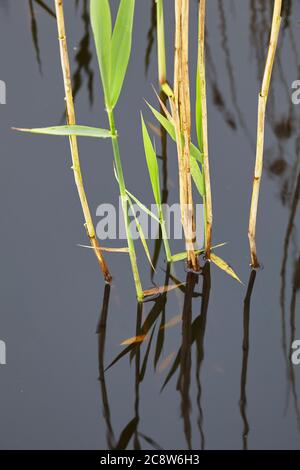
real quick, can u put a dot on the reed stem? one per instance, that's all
(71, 119)
(161, 48)
(262, 104)
(202, 75)
(181, 113)
(124, 199)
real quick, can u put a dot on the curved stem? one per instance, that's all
(70, 110)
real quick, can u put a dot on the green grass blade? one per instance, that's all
(151, 163)
(169, 127)
(80, 131)
(121, 47)
(142, 206)
(197, 176)
(139, 203)
(199, 129)
(102, 31)
(141, 234)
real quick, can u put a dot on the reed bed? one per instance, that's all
(113, 47)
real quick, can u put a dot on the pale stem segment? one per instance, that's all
(181, 113)
(202, 76)
(262, 104)
(161, 48)
(71, 119)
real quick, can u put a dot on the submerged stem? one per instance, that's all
(124, 199)
(65, 64)
(262, 104)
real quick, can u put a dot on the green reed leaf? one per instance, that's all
(80, 131)
(197, 176)
(151, 163)
(102, 31)
(169, 127)
(141, 234)
(121, 47)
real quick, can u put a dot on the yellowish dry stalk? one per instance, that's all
(262, 104)
(65, 64)
(202, 77)
(181, 113)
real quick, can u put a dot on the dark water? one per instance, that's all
(62, 327)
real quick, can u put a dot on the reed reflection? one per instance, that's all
(244, 371)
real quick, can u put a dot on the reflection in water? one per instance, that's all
(101, 331)
(34, 34)
(200, 334)
(193, 331)
(150, 35)
(243, 393)
(230, 71)
(83, 58)
(290, 237)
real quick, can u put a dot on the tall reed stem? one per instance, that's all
(124, 199)
(71, 118)
(181, 111)
(262, 104)
(161, 48)
(202, 75)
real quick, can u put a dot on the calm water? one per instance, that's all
(190, 384)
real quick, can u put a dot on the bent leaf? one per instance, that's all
(121, 47)
(169, 127)
(151, 163)
(182, 256)
(80, 131)
(102, 31)
(224, 266)
(142, 235)
(197, 176)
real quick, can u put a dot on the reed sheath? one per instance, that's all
(202, 76)
(70, 110)
(181, 113)
(262, 104)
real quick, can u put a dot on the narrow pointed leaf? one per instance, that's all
(121, 47)
(151, 163)
(102, 31)
(127, 434)
(142, 235)
(224, 266)
(197, 176)
(142, 206)
(169, 127)
(80, 131)
(182, 256)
